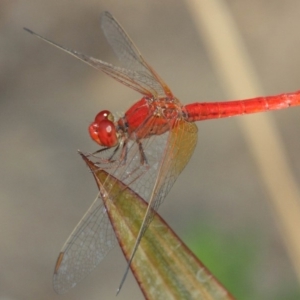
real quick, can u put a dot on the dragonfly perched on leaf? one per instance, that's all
(146, 149)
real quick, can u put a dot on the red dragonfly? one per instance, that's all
(146, 149)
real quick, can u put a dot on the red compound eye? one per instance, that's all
(104, 115)
(103, 131)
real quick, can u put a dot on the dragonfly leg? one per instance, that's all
(98, 151)
(142, 153)
(114, 153)
(123, 156)
(107, 160)
(141, 169)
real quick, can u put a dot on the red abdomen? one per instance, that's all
(204, 111)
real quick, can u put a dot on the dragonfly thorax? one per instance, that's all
(150, 116)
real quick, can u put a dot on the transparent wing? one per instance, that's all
(178, 149)
(137, 74)
(91, 240)
(87, 245)
(93, 237)
(131, 57)
(180, 146)
(127, 77)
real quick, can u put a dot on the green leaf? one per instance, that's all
(163, 265)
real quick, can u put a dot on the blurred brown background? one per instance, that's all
(48, 99)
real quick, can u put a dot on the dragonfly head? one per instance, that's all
(103, 130)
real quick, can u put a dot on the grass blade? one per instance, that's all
(163, 265)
